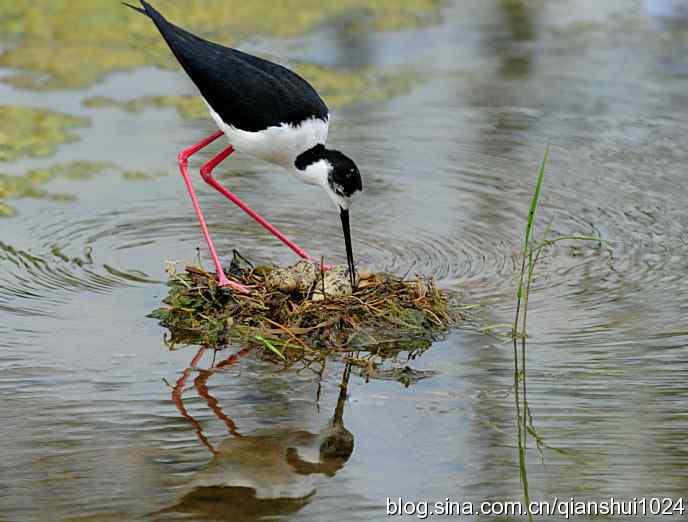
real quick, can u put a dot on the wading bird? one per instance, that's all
(268, 112)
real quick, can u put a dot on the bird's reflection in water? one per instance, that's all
(269, 472)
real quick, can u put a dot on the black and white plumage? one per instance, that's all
(266, 111)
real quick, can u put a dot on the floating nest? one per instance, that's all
(303, 310)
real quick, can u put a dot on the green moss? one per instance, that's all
(29, 185)
(188, 107)
(137, 175)
(7, 211)
(26, 186)
(339, 87)
(26, 131)
(75, 170)
(336, 86)
(73, 43)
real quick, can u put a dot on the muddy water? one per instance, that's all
(100, 421)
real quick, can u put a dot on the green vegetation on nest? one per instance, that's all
(26, 131)
(73, 43)
(293, 320)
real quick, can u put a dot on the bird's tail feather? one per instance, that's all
(151, 12)
(147, 10)
(177, 39)
(142, 11)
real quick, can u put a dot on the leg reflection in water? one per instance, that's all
(269, 472)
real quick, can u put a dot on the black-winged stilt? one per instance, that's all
(268, 112)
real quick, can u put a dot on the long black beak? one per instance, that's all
(344, 214)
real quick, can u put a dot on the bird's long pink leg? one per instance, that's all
(206, 174)
(183, 158)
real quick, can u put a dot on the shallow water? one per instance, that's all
(91, 429)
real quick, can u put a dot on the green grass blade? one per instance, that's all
(536, 199)
(551, 241)
(270, 346)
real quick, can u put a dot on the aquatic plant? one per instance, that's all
(29, 131)
(337, 87)
(58, 44)
(30, 184)
(293, 319)
(532, 249)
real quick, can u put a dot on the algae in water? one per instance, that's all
(58, 44)
(337, 87)
(27, 131)
(29, 185)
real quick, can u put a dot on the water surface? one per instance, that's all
(92, 428)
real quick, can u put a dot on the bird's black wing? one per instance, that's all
(247, 92)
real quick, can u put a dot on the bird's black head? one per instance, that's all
(344, 178)
(332, 170)
(340, 178)
(344, 182)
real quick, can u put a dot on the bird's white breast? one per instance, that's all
(280, 144)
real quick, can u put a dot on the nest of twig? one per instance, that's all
(289, 313)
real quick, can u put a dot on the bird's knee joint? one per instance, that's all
(206, 173)
(183, 158)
